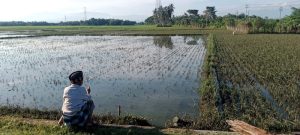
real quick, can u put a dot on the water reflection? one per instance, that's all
(163, 41)
(166, 41)
(191, 40)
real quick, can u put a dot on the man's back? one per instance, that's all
(75, 96)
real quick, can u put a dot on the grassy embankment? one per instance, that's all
(30, 121)
(210, 117)
(139, 30)
(254, 78)
(22, 126)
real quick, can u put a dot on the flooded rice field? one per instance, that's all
(155, 77)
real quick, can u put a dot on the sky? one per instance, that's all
(136, 10)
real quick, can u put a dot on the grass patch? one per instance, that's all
(12, 125)
(253, 78)
(55, 115)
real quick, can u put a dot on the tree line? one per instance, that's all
(163, 16)
(256, 24)
(92, 21)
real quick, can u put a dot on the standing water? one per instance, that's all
(155, 77)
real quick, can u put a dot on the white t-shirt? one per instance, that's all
(75, 96)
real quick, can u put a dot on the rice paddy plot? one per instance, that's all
(155, 77)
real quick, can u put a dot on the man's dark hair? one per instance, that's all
(78, 75)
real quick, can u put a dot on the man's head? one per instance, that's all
(76, 78)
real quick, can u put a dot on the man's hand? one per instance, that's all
(88, 89)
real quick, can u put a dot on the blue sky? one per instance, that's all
(138, 10)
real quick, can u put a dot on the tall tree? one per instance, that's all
(258, 23)
(296, 15)
(193, 12)
(296, 12)
(163, 15)
(292, 23)
(170, 10)
(210, 13)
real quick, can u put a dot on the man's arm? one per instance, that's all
(85, 94)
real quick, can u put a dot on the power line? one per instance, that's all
(257, 6)
(286, 4)
(274, 6)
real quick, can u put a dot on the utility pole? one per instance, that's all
(84, 14)
(248, 14)
(158, 3)
(65, 18)
(280, 11)
(247, 6)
